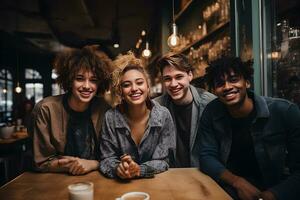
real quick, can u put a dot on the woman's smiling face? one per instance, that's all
(134, 87)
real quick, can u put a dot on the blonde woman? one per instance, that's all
(138, 135)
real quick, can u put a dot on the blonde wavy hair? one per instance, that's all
(124, 63)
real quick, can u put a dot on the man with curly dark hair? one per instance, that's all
(65, 128)
(248, 143)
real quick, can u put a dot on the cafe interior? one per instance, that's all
(32, 32)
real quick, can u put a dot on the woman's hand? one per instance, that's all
(128, 168)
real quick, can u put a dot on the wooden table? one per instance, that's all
(180, 183)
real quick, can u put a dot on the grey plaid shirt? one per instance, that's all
(154, 150)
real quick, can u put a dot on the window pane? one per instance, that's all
(34, 90)
(6, 91)
(56, 90)
(53, 75)
(3, 72)
(32, 74)
(284, 53)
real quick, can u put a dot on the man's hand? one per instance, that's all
(245, 190)
(267, 195)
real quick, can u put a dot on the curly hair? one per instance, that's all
(225, 65)
(69, 63)
(124, 63)
(180, 61)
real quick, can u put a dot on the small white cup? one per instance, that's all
(81, 191)
(135, 196)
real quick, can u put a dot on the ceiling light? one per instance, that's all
(116, 45)
(143, 33)
(173, 40)
(18, 89)
(146, 52)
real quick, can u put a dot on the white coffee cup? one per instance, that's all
(134, 196)
(81, 191)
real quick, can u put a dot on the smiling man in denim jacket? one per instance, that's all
(248, 143)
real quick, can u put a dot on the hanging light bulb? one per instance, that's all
(173, 39)
(116, 45)
(4, 90)
(18, 89)
(146, 52)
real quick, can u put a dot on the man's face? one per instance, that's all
(231, 89)
(177, 83)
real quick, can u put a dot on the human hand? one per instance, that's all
(81, 166)
(63, 163)
(134, 168)
(245, 190)
(128, 168)
(267, 195)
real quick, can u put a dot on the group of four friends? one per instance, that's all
(249, 144)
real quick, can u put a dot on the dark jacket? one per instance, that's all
(276, 137)
(200, 99)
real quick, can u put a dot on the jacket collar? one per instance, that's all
(154, 118)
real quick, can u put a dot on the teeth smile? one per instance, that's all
(135, 95)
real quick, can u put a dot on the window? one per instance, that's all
(283, 47)
(33, 88)
(6, 94)
(56, 90)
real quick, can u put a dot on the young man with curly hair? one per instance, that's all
(65, 128)
(248, 143)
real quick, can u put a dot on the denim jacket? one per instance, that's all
(152, 154)
(200, 99)
(276, 137)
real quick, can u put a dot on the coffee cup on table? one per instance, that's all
(81, 191)
(134, 196)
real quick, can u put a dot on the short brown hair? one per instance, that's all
(69, 63)
(179, 61)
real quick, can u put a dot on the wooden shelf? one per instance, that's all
(187, 5)
(206, 37)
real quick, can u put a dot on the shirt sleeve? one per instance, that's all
(208, 147)
(165, 147)
(43, 149)
(109, 159)
(290, 187)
